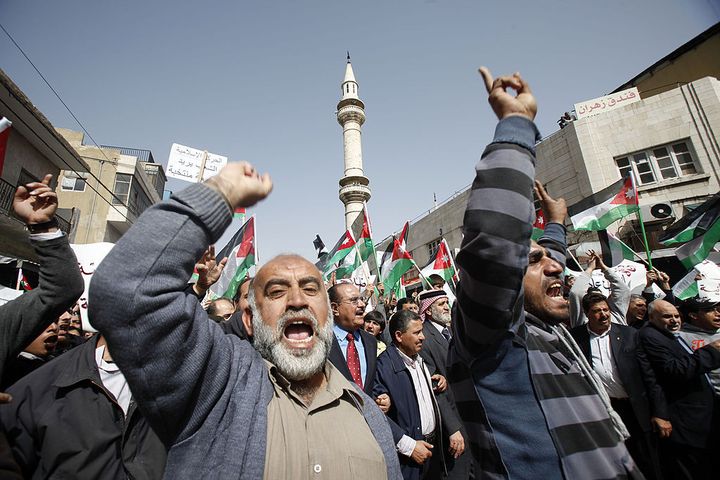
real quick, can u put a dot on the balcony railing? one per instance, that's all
(7, 193)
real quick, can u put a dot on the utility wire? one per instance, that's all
(84, 130)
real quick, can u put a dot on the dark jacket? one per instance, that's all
(63, 423)
(681, 375)
(624, 342)
(370, 345)
(394, 379)
(60, 286)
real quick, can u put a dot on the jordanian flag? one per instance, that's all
(5, 125)
(400, 262)
(606, 206)
(613, 249)
(239, 214)
(698, 249)
(694, 224)
(240, 252)
(404, 235)
(341, 250)
(441, 263)
(539, 225)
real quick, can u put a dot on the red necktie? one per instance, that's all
(353, 360)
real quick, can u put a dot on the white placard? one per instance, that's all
(599, 281)
(709, 290)
(633, 274)
(708, 269)
(184, 163)
(89, 256)
(606, 103)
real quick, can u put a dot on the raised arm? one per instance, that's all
(497, 224)
(172, 356)
(60, 285)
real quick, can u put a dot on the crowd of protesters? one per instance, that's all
(526, 375)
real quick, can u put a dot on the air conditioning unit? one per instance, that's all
(657, 212)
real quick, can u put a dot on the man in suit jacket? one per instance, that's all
(353, 351)
(613, 353)
(435, 314)
(682, 374)
(415, 415)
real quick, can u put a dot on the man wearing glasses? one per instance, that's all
(354, 351)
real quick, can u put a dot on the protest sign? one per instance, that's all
(89, 256)
(193, 165)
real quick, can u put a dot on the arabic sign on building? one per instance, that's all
(185, 163)
(606, 103)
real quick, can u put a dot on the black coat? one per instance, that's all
(624, 345)
(681, 375)
(63, 423)
(370, 346)
(394, 379)
(434, 352)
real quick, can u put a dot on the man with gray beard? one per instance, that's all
(223, 408)
(435, 313)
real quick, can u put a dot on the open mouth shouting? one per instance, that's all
(299, 333)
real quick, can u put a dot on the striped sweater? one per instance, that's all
(528, 410)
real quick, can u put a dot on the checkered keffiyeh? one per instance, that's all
(427, 298)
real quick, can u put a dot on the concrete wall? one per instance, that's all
(21, 154)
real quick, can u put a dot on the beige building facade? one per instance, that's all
(133, 180)
(33, 150)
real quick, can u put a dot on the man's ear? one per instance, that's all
(247, 321)
(334, 309)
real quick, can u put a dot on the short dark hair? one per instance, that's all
(377, 317)
(333, 293)
(403, 301)
(400, 321)
(436, 279)
(591, 299)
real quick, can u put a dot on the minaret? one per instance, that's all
(354, 186)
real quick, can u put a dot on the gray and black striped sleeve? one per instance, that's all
(497, 228)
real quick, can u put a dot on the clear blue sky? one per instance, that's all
(259, 81)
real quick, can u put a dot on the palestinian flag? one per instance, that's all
(539, 225)
(400, 262)
(239, 214)
(687, 287)
(5, 126)
(348, 265)
(441, 264)
(240, 252)
(341, 250)
(694, 224)
(606, 206)
(613, 249)
(698, 249)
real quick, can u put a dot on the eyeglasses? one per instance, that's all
(355, 300)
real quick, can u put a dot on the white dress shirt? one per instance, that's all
(604, 364)
(113, 380)
(423, 392)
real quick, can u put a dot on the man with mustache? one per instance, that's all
(690, 452)
(529, 409)
(226, 409)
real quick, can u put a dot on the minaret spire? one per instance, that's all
(354, 185)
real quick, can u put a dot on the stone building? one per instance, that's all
(133, 180)
(33, 150)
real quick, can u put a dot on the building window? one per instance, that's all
(73, 182)
(121, 189)
(433, 246)
(663, 162)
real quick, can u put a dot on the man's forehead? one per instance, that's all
(287, 266)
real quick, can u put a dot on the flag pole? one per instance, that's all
(633, 251)
(642, 225)
(19, 278)
(575, 260)
(452, 262)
